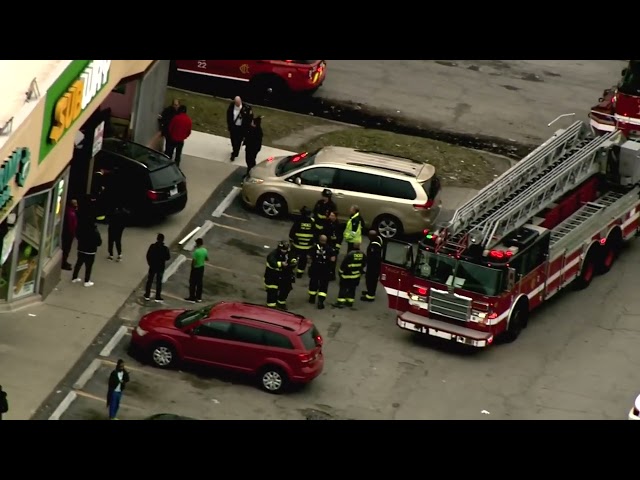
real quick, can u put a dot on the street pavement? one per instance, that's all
(576, 360)
(41, 343)
(509, 99)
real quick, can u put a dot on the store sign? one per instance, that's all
(77, 97)
(14, 170)
(98, 137)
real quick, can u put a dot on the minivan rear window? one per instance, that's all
(308, 338)
(294, 162)
(166, 177)
(431, 187)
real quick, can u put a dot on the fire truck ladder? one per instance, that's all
(560, 180)
(513, 181)
(500, 193)
(584, 214)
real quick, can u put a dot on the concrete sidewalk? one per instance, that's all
(40, 343)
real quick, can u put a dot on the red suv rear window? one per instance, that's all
(308, 338)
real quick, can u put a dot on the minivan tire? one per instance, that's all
(388, 226)
(163, 355)
(273, 379)
(272, 205)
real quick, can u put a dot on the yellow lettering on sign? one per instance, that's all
(68, 108)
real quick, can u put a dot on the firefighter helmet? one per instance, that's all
(284, 246)
(326, 193)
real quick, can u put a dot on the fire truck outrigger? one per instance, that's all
(557, 217)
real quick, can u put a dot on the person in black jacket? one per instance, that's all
(157, 256)
(322, 209)
(4, 403)
(117, 221)
(164, 119)
(374, 265)
(89, 240)
(239, 116)
(253, 142)
(117, 383)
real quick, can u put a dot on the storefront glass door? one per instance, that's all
(32, 225)
(8, 229)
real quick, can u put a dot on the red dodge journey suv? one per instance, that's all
(279, 347)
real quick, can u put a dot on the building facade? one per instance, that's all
(47, 159)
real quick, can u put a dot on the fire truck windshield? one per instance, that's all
(459, 273)
(630, 84)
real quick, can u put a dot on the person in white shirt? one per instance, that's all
(239, 117)
(117, 382)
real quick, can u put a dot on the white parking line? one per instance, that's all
(191, 244)
(87, 374)
(64, 405)
(173, 267)
(106, 351)
(188, 235)
(226, 202)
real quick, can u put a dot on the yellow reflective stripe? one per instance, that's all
(369, 297)
(304, 235)
(282, 302)
(322, 294)
(350, 276)
(277, 269)
(311, 292)
(270, 286)
(354, 265)
(271, 304)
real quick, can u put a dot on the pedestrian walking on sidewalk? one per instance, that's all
(198, 259)
(253, 142)
(4, 403)
(69, 230)
(239, 116)
(117, 221)
(157, 256)
(117, 383)
(89, 240)
(179, 131)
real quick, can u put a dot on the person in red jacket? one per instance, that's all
(178, 131)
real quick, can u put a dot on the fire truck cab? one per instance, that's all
(619, 106)
(557, 218)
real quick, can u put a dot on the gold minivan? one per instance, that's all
(396, 195)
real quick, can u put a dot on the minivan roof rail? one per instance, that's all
(376, 152)
(388, 169)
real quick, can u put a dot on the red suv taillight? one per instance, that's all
(319, 340)
(306, 357)
(153, 195)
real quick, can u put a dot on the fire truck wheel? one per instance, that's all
(517, 322)
(589, 267)
(267, 88)
(610, 251)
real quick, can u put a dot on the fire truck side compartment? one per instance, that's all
(629, 166)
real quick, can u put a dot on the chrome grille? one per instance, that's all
(449, 305)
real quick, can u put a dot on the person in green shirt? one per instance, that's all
(198, 259)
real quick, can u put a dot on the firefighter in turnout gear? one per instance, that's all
(351, 269)
(353, 230)
(302, 237)
(277, 261)
(374, 262)
(323, 208)
(333, 231)
(321, 257)
(287, 279)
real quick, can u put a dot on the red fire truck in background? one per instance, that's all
(266, 77)
(619, 106)
(557, 217)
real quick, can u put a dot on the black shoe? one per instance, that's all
(282, 307)
(312, 299)
(147, 297)
(67, 266)
(365, 299)
(320, 305)
(159, 300)
(338, 305)
(190, 300)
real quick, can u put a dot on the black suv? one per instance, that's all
(143, 181)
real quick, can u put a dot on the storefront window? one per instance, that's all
(6, 254)
(56, 215)
(29, 250)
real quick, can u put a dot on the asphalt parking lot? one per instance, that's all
(576, 360)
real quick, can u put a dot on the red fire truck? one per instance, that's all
(558, 217)
(619, 106)
(271, 77)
